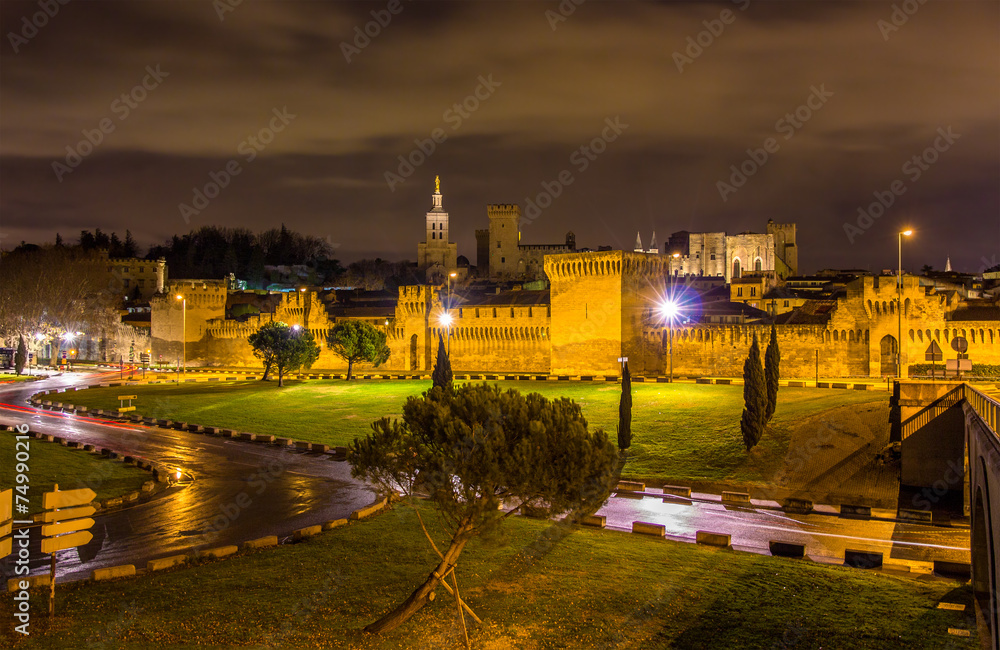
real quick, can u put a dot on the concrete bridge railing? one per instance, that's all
(982, 444)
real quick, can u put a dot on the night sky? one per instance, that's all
(880, 94)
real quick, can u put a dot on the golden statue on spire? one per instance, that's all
(437, 184)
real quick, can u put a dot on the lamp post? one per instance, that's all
(668, 309)
(899, 306)
(183, 336)
(448, 312)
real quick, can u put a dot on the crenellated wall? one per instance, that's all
(601, 306)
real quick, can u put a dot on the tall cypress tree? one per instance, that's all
(20, 356)
(754, 397)
(625, 411)
(442, 367)
(772, 360)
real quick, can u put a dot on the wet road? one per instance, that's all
(229, 492)
(825, 535)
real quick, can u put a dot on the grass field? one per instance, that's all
(10, 379)
(537, 585)
(50, 463)
(682, 431)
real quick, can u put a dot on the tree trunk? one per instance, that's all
(419, 597)
(281, 376)
(267, 369)
(350, 364)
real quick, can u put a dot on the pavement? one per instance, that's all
(825, 533)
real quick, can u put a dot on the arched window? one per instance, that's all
(758, 265)
(736, 268)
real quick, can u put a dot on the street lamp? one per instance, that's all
(899, 306)
(67, 337)
(669, 310)
(445, 320)
(183, 335)
(447, 314)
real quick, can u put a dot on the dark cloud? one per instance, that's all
(324, 174)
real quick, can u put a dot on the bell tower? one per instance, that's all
(436, 249)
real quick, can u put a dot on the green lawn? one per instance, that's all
(9, 379)
(682, 431)
(50, 463)
(536, 585)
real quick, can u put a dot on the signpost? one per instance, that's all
(960, 345)
(122, 406)
(933, 354)
(67, 519)
(6, 521)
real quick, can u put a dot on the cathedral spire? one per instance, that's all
(437, 184)
(947, 265)
(653, 248)
(638, 243)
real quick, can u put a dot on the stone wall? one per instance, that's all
(601, 306)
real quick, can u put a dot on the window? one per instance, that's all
(126, 283)
(498, 244)
(142, 269)
(503, 260)
(786, 303)
(753, 291)
(739, 292)
(712, 257)
(142, 284)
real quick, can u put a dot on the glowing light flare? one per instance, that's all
(669, 309)
(446, 319)
(907, 233)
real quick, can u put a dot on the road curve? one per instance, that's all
(229, 491)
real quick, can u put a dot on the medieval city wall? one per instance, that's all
(721, 350)
(512, 338)
(603, 306)
(586, 297)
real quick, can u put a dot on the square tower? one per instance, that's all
(505, 236)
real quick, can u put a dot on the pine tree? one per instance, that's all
(754, 397)
(625, 411)
(21, 356)
(442, 376)
(473, 449)
(772, 361)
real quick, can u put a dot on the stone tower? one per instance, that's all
(786, 253)
(505, 236)
(436, 249)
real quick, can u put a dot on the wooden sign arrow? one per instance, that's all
(6, 504)
(67, 527)
(53, 544)
(5, 546)
(5, 529)
(67, 513)
(67, 498)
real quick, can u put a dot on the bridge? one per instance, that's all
(950, 446)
